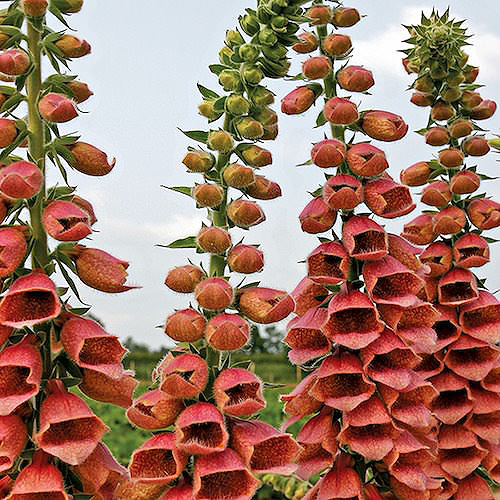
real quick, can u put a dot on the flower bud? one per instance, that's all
(416, 175)
(262, 96)
(465, 182)
(436, 194)
(317, 217)
(154, 410)
(234, 38)
(420, 230)
(214, 294)
(230, 80)
(451, 94)
(237, 105)
(255, 156)
(80, 91)
(383, 126)
(251, 73)
(249, 24)
(328, 153)
(213, 240)
(451, 158)
(207, 109)
(450, 220)
(298, 101)
(317, 68)
(442, 111)
(263, 189)
(366, 160)
(470, 100)
(470, 74)
(249, 128)
(249, 52)
(21, 180)
(34, 8)
(265, 305)
(267, 37)
(90, 160)
(484, 111)
(227, 332)
(337, 45)
(266, 116)
(245, 213)
(345, 17)
(199, 161)
(319, 15)
(460, 128)
(238, 176)
(411, 65)
(343, 192)
(341, 111)
(72, 47)
(308, 43)
(355, 79)
(476, 146)
(437, 136)
(184, 279)
(14, 247)
(422, 99)
(484, 214)
(245, 259)
(220, 140)
(56, 108)
(68, 6)
(438, 257)
(14, 62)
(8, 132)
(424, 84)
(208, 195)
(186, 325)
(66, 221)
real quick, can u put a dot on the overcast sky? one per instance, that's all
(144, 67)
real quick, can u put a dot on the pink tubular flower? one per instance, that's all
(182, 491)
(214, 294)
(343, 192)
(245, 259)
(364, 239)
(298, 101)
(339, 111)
(90, 160)
(481, 319)
(306, 338)
(56, 108)
(13, 438)
(201, 430)
(355, 79)
(101, 271)
(403, 251)
(227, 332)
(8, 132)
(486, 109)
(68, 429)
(366, 160)
(484, 421)
(484, 214)
(238, 393)
(66, 221)
(328, 153)
(307, 295)
(90, 346)
(387, 199)
(439, 259)
(317, 217)
(457, 287)
(263, 449)
(31, 299)
(353, 320)
(21, 180)
(328, 264)
(184, 376)
(341, 382)
(473, 486)
(420, 230)
(13, 250)
(383, 126)
(471, 250)
(300, 403)
(450, 220)
(341, 482)
(154, 410)
(14, 62)
(265, 305)
(186, 325)
(101, 473)
(222, 475)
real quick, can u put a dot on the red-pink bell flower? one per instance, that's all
(238, 393)
(473, 486)
(316, 68)
(56, 108)
(14, 62)
(8, 132)
(90, 160)
(403, 251)
(245, 214)
(437, 194)
(457, 287)
(341, 382)
(450, 220)
(21, 180)
(13, 249)
(481, 318)
(317, 217)
(486, 109)
(265, 305)
(429, 366)
(31, 299)
(68, 429)
(328, 264)
(66, 221)
(420, 230)
(422, 99)
(492, 381)
(214, 294)
(264, 449)
(484, 214)
(245, 259)
(223, 475)
(183, 377)
(306, 338)
(355, 79)
(343, 192)
(13, 437)
(298, 101)
(446, 326)
(366, 160)
(227, 332)
(158, 460)
(353, 320)
(186, 325)
(484, 421)
(90, 346)
(307, 295)
(438, 257)
(328, 153)
(101, 473)
(471, 250)
(364, 239)
(101, 271)
(340, 111)
(183, 279)
(201, 430)
(300, 403)
(387, 199)
(39, 479)
(383, 126)
(183, 490)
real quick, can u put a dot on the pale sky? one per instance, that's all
(143, 69)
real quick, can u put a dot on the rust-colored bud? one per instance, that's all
(460, 128)
(355, 79)
(345, 17)
(319, 15)
(465, 182)
(470, 99)
(317, 217)
(476, 146)
(470, 74)
(245, 259)
(21, 180)
(245, 213)
(34, 8)
(484, 111)
(214, 294)
(317, 68)
(208, 195)
(437, 194)
(341, 111)
(366, 160)
(450, 220)
(256, 156)
(80, 91)
(72, 47)
(416, 175)
(8, 132)
(14, 62)
(220, 140)
(437, 136)
(384, 126)
(298, 101)
(265, 305)
(263, 189)
(227, 332)
(484, 214)
(343, 192)
(308, 43)
(199, 161)
(420, 230)
(238, 176)
(422, 99)
(336, 45)
(184, 279)
(442, 111)
(328, 153)
(56, 108)
(213, 240)
(186, 325)
(90, 160)
(451, 158)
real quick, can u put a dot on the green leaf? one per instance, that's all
(320, 120)
(180, 189)
(216, 69)
(70, 282)
(196, 135)
(207, 93)
(189, 242)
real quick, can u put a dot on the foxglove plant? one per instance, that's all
(200, 401)
(50, 441)
(462, 361)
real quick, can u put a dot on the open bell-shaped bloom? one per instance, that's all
(383, 126)
(265, 305)
(484, 214)
(473, 486)
(341, 482)
(471, 250)
(366, 160)
(328, 264)
(457, 287)
(343, 192)
(21, 180)
(184, 377)
(447, 327)
(420, 231)
(438, 257)
(481, 319)
(317, 217)
(450, 220)
(387, 199)
(227, 332)
(307, 295)
(405, 252)
(300, 403)
(364, 239)
(13, 438)
(484, 420)
(66, 221)
(13, 249)
(154, 410)
(429, 366)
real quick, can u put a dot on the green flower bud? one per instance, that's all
(199, 161)
(224, 54)
(276, 52)
(266, 116)
(277, 6)
(220, 140)
(414, 65)
(292, 28)
(451, 94)
(249, 128)
(262, 96)
(206, 109)
(234, 38)
(230, 80)
(68, 6)
(463, 58)
(267, 37)
(495, 143)
(438, 71)
(455, 78)
(249, 52)
(249, 24)
(263, 15)
(424, 84)
(278, 23)
(237, 105)
(251, 74)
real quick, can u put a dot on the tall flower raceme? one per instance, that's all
(201, 403)
(363, 325)
(50, 441)
(463, 359)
